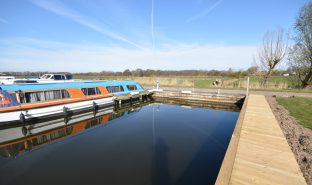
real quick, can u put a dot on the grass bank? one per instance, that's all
(300, 108)
(276, 83)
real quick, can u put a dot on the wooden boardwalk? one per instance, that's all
(261, 154)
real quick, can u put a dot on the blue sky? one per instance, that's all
(96, 35)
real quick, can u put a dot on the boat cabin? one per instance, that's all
(46, 78)
(56, 77)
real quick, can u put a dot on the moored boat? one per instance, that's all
(46, 78)
(33, 101)
(23, 102)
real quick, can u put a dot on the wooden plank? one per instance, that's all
(229, 158)
(263, 155)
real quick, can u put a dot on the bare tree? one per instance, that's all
(271, 53)
(301, 53)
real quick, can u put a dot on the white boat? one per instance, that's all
(46, 78)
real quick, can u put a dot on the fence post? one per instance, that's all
(157, 84)
(193, 85)
(247, 88)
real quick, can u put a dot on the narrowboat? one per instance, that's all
(23, 102)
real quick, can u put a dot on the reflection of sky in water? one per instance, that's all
(157, 144)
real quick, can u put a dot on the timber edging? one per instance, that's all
(258, 152)
(200, 97)
(225, 171)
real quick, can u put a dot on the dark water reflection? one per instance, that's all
(155, 144)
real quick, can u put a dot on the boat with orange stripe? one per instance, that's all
(23, 102)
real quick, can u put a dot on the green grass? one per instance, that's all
(275, 83)
(207, 82)
(300, 108)
(284, 90)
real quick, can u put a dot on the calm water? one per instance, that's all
(155, 144)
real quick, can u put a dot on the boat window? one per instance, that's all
(132, 87)
(45, 77)
(69, 76)
(91, 91)
(139, 86)
(59, 77)
(45, 95)
(113, 89)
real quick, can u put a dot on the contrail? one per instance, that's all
(59, 8)
(203, 13)
(152, 24)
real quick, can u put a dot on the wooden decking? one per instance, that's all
(262, 154)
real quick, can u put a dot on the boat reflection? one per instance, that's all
(22, 138)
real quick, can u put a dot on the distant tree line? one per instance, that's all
(254, 70)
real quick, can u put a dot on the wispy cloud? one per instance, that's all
(33, 54)
(3, 21)
(152, 24)
(204, 12)
(61, 9)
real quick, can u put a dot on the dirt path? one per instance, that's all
(298, 138)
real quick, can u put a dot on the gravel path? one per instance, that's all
(298, 138)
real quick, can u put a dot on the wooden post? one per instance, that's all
(193, 85)
(247, 88)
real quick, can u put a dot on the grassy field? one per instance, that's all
(275, 83)
(197, 82)
(300, 108)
